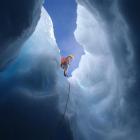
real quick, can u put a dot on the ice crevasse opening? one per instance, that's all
(97, 107)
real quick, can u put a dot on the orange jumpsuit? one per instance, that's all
(65, 64)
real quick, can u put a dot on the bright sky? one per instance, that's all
(63, 14)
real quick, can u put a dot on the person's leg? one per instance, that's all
(65, 72)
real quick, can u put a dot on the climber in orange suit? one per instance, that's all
(65, 62)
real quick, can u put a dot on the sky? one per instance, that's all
(64, 14)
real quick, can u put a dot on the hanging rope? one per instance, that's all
(64, 114)
(66, 106)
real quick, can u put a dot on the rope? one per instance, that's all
(66, 106)
(64, 114)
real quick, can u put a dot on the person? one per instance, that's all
(65, 62)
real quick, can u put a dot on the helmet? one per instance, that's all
(72, 56)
